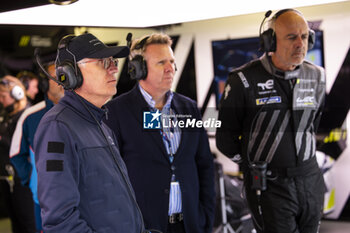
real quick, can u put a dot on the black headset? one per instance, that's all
(43, 82)
(137, 66)
(105, 136)
(67, 71)
(268, 37)
(16, 92)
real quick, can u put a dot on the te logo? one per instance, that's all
(151, 120)
(267, 85)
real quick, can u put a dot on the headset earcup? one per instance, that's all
(311, 39)
(273, 44)
(67, 75)
(17, 93)
(79, 78)
(137, 68)
(43, 84)
(268, 41)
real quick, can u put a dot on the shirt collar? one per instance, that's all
(169, 96)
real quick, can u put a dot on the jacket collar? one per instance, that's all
(139, 105)
(48, 103)
(270, 68)
(86, 109)
(149, 99)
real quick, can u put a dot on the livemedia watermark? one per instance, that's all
(158, 120)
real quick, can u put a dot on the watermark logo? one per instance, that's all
(151, 120)
(158, 120)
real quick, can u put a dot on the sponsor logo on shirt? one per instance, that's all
(269, 100)
(268, 85)
(307, 100)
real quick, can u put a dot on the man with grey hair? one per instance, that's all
(83, 185)
(270, 112)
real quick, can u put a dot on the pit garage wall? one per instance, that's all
(335, 25)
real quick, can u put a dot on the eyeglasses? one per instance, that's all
(105, 61)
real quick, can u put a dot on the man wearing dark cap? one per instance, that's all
(83, 184)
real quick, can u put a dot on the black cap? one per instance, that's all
(88, 46)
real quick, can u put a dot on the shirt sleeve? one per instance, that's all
(231, 115)
(57, 163)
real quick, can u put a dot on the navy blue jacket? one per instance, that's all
(82, 186)
(150, 169)
(21, 150)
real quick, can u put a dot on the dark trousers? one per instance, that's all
(20, 207)
(289, 205)
(176, 227)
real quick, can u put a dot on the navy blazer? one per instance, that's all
(149, 167)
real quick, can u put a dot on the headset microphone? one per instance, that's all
(267, 14)
(37, 57)
(36, 54)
